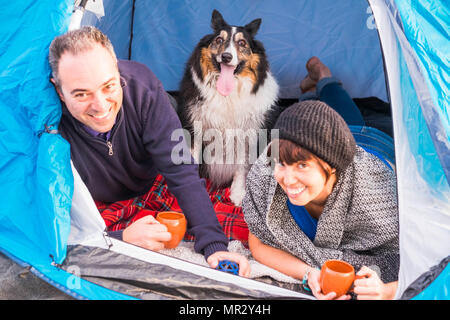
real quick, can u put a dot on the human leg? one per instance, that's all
(329, 90)
(319, 84)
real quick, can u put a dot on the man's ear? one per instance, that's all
(58, 89)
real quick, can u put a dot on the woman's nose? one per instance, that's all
(289, 176)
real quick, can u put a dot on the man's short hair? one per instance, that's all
(76, 41)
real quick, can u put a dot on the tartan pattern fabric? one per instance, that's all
(118, 215)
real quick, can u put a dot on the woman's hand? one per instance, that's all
(314, 285)
(244, 267)
(372, 288)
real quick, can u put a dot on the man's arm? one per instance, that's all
(182, 179)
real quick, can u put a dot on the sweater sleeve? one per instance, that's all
(369, 242)
(162, 132)
(370, 237)
(256, 200)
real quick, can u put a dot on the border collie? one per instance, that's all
(225, 96)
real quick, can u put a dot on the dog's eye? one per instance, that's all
(219, 40)
(242, 43)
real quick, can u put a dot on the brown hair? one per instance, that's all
(76, 41)
(290, 153)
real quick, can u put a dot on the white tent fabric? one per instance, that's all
(86, 222)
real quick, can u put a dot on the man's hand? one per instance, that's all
(244, 266)
(147, 233)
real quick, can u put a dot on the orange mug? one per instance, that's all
(337, 276)
(176, 225)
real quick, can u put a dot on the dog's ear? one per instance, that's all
(253, 27)
(217, 21)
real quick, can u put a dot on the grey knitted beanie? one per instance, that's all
(315, 126)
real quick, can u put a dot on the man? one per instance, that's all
(118, 120)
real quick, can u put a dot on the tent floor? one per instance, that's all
(19, 283)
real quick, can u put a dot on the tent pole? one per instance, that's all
(77, 15)
(131, 30)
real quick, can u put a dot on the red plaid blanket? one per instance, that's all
(120, 214)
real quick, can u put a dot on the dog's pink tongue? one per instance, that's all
(225, 83)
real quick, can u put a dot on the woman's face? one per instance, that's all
(304, 182)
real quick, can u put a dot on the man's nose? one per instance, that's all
(99, 101)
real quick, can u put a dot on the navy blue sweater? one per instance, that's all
(141, 146)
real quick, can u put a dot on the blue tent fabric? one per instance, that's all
(438, 289)
(36, 181)
(415, 38)
(36, 178)
(435, 282)
(119, 19)
(433, 54)
(341, 33)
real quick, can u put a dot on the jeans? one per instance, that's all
(330, 91)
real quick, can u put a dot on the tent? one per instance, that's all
(395, 50)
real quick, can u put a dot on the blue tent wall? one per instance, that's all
(36, 182)
(341, 33)
(36, 177)
(431, 45)
(425, 84)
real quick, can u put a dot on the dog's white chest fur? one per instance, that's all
(241, 110)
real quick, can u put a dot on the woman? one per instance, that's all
(325, 198)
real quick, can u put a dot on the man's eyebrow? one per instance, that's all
(78, 90)
(85, 90)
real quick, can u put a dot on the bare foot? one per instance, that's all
(307, 84)
(317, 70)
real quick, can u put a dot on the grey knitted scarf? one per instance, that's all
(359, 223)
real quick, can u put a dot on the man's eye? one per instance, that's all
(110, 87)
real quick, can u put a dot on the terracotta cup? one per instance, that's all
(336, 276)
(176, 225)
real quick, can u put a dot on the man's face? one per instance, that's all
(90, 87)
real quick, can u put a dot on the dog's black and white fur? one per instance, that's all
(241, 101)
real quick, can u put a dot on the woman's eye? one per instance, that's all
(301, 165)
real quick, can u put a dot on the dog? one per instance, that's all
(227, 89)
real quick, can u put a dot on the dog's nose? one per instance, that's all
(227, 57)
